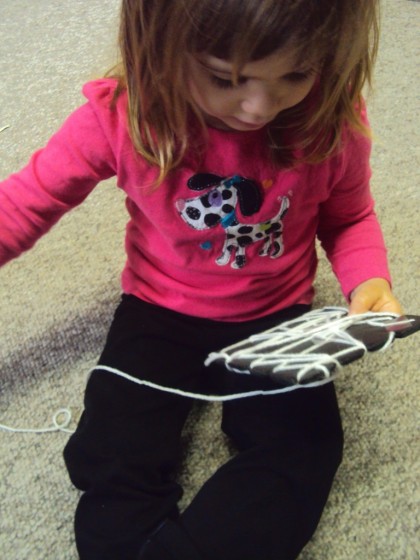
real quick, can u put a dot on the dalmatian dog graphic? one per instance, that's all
(217, 206)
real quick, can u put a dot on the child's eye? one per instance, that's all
(297, 77)
(225, 84)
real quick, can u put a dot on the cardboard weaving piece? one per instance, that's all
(311, 349)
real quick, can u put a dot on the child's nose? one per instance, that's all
(262, 102)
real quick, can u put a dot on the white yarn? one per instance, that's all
(271, 348)
(317, 327)
(199, 396)
(58, 425)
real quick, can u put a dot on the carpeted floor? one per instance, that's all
(57, 301)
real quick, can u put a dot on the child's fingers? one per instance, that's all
(374, 295)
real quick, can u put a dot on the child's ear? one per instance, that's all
(202, 181)
(249, 196)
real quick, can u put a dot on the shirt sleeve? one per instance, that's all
(349, 230)
(56, 179)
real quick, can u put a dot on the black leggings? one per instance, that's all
(264, 503)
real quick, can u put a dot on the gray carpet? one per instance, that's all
(57, 302)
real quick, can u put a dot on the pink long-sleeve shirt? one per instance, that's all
(228, 237)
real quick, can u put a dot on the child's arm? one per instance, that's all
(374, 295)
(57, 178)
(351, 235)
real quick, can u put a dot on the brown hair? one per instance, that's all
(157, 35)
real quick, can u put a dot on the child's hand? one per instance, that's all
(374, 295)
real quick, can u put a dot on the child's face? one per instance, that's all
(265, 88)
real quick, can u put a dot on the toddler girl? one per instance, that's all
(238, 132)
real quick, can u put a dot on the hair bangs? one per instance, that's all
(241, 31)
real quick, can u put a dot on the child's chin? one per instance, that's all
(231, 124)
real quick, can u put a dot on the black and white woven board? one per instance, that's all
(311, 349)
